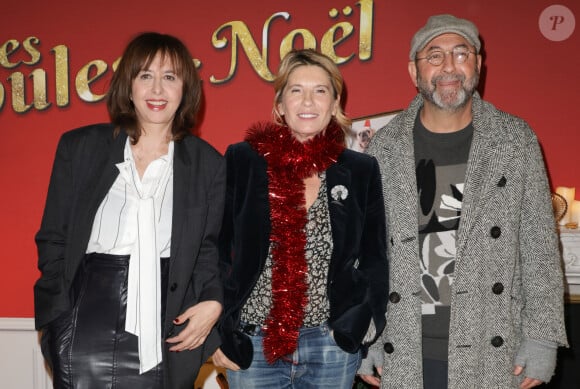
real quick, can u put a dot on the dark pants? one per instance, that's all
(434, 374)
(89, 347)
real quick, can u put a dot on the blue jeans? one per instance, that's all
(317, 363)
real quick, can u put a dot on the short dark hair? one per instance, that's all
(138, 55)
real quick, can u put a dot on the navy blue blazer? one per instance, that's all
(83, 171)
(358, 276)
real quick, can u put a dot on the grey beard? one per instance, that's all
(451, 102)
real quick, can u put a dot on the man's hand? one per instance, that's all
(527, 383)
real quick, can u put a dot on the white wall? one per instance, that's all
(570, 239)
(21, 363)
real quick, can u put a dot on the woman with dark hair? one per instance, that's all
(129, 290)
(302, 247)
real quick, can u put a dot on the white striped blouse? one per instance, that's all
(135, 219)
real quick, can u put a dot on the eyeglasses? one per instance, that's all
(436, 58)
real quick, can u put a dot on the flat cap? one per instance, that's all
(444, 24)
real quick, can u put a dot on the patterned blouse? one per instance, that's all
(318, 252)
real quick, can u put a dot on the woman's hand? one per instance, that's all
(219, 359)
(199, 320)
(371, 380)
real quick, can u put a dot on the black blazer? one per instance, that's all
(358, 280)
(84, 170)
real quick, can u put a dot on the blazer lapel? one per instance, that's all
(402, 204)
(110, 171)
(338, 208)
(486, 165)
(94, 191)
(181, 177)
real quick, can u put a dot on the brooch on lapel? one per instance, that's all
(339, 193)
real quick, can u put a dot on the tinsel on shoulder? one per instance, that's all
(281, 149)
(289, 163)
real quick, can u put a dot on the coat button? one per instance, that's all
(173, 287)
(497, 288)
(495, 232)
(394, 297)
(388, 347)
(497, 341)
(501, 183)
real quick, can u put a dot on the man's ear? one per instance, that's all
(413, 72)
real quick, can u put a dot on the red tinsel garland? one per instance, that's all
(289, 163)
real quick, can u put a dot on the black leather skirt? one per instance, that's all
(89, 347)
